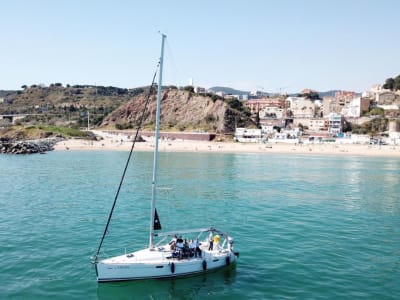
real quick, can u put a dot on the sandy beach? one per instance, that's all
(122, 143)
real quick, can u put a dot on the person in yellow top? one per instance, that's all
(216, 240)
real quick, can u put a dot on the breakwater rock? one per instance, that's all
(27, 146)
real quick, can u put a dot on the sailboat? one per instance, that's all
(169, 254)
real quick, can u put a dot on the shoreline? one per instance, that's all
(121, 143)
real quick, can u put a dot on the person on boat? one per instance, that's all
(210, 242)
(186, 249)
(172, 243)
(230, 240)
(192, 248)
(179, 246)
(216, 241)
(197, 250)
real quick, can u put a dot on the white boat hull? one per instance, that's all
(147, 264)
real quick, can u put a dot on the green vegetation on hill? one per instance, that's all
(373, 127)
(392, 84)
(66, 106)
(42, 131)
(61, 131)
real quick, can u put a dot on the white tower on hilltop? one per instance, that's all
(191, 81)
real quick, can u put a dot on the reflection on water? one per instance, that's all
(193, 287)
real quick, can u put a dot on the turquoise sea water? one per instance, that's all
(306, 227)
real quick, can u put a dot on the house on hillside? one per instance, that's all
(300, 107)
(385, 98)
(356, 107)
(256, 105)
(199, 90)
(330, 105)
(344, 97)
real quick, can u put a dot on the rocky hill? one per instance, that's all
(182, 111)
(38, 98)
(72, 106)
(58, 105)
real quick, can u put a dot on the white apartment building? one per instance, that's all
(353, 109)
(335, 123)
(246, 135)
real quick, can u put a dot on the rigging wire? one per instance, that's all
(175, 71)
(139, 127)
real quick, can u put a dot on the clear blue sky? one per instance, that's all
(264, 45)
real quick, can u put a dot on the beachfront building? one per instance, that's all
(335, 123)
(358, 139)
(394, 132)
(289, 136)
(269, 126)
(247, 135)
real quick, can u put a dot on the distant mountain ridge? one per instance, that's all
(4, 93)
(228, 90)
(232, 91)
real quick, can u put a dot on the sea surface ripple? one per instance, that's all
(306, 227)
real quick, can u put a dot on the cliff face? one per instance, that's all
(180, 110)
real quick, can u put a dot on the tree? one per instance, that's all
(234, 103)
(347, 126)
(392, 84)
(389, 84)
(397, 83)
(189, 88)
(377, 111)
(372, 127)
(311, 95)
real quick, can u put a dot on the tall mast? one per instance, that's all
(156, 135)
